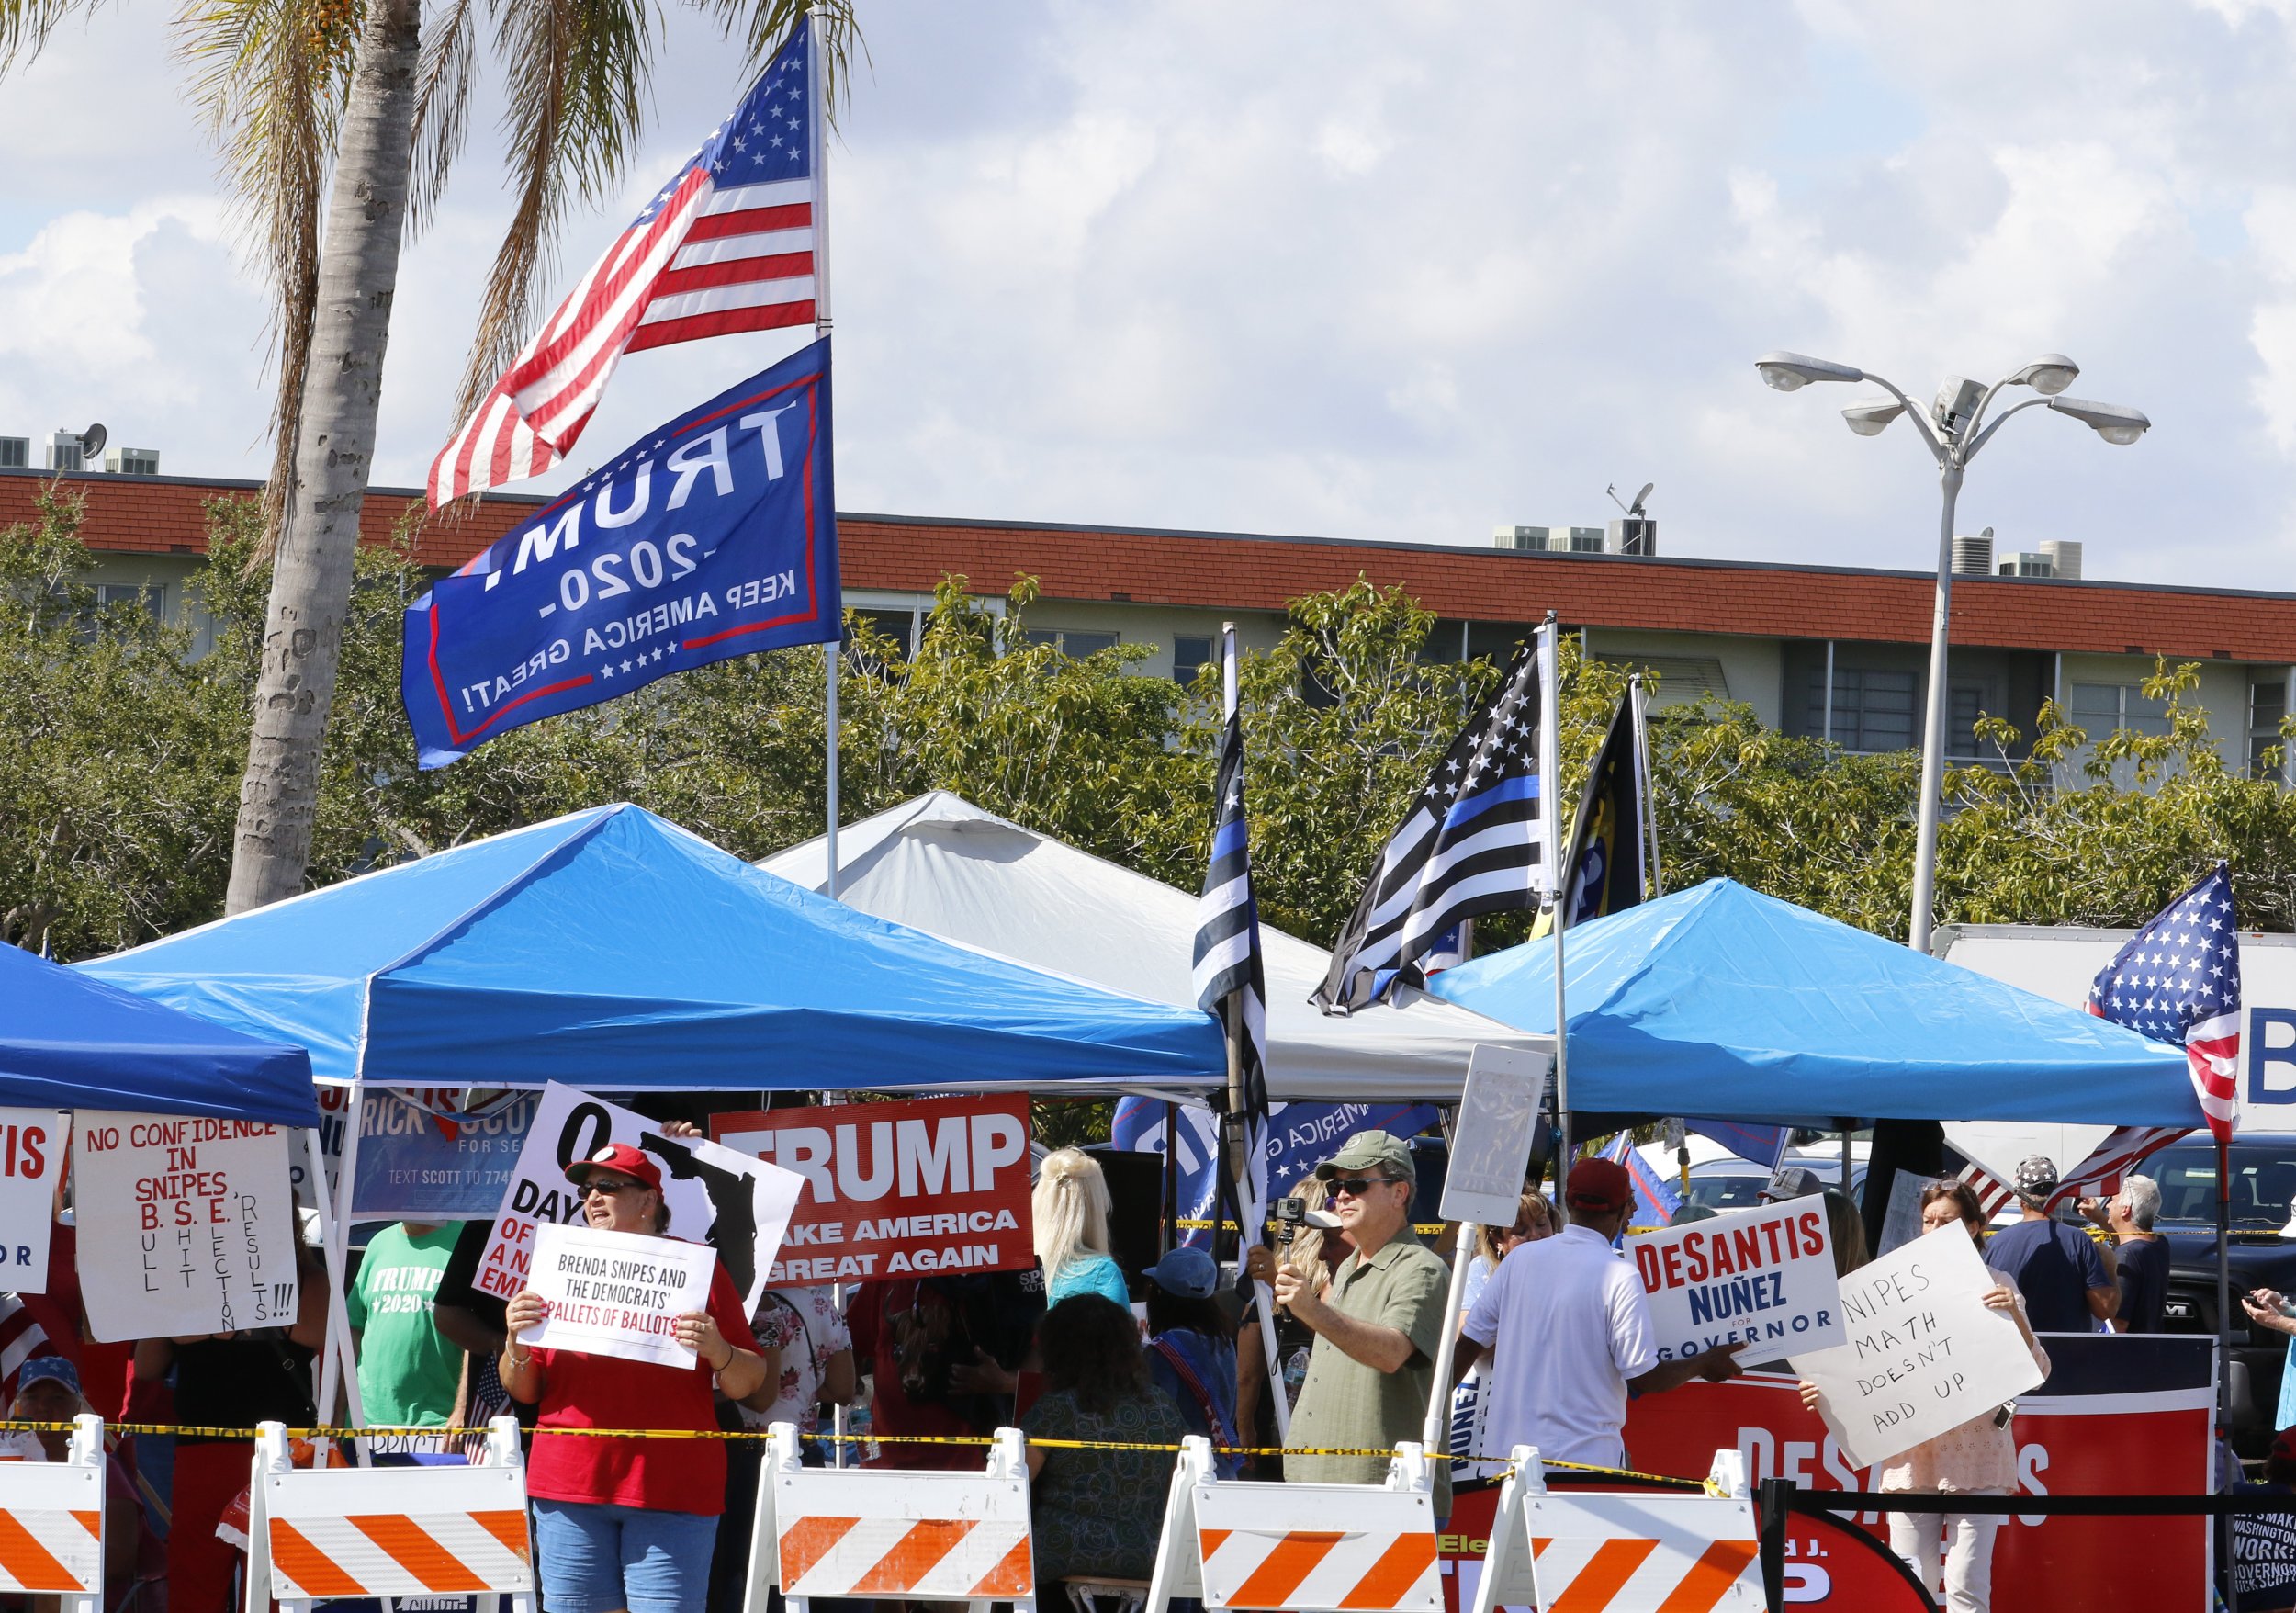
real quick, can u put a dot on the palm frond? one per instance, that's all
(441, 112)
(764, 24)
(270, 77)
(25, 25)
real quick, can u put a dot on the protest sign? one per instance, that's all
(898, 1190)
(736, 1204)
(31, 1159)
(186, 1225)
(1762, 1277)
(1491, 1145)
(616, 1293)
(1925, 1353)
(426, 1153)
(1902, 1223)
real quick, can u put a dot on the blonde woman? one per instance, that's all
(1070, 1209)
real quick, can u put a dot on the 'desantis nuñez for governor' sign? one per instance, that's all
(713, 537)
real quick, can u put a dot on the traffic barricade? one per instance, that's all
(51, 1522)
(1622, 1552)
(959, 1536)
(1311, 1547)
(389, 1532)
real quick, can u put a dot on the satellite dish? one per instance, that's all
(92, 442)
(1640, 498)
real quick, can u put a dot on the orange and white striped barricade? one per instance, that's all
(51, 1522)
(1622, 1552)
(389, 1532)
(1311, 1547)
(880, 1532)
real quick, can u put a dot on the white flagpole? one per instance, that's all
(833, 652)
(1550, 855)
(1638, 704)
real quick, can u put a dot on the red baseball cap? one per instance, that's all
(629, 1159)
(2283, 1443)
(1599, 1184)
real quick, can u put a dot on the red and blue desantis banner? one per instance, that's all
(713, 537)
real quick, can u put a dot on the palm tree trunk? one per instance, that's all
(311, 583)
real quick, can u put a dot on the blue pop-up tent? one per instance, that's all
(613, 950)
(1719, 1002)
(67, 1041)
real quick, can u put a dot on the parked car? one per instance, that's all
(1732, 1184)
(2263, 1179)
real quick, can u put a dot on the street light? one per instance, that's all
(1953, 429)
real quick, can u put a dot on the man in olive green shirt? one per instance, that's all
(1377, 1324)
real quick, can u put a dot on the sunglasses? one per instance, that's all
(1354, 1187)
(609, 1188)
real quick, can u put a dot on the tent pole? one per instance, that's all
(339, 1366)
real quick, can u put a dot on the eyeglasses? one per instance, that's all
(595, 1185)
(1354, 1187)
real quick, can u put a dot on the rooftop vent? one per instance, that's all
(1552, 540)
(1972, 556)
(1634, 535)
(2027, 565)
(2064, 554)
(16, 452)
(63, 452)
(133, 462)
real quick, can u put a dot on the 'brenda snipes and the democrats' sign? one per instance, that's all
(714, 537)
(1763, 1277)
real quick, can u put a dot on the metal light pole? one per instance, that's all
(1953, 430)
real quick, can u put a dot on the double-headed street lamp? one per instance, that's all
(1953, 430)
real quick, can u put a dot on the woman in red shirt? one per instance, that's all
(628, 1523)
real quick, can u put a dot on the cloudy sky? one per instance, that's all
(1342, 269)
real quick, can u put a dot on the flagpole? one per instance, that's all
(832, 653)
(1638, 697)
(1550, 849)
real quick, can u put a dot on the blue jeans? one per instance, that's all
(594, 1557)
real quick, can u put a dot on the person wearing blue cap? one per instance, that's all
(1191, 1348)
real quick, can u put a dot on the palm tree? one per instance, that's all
(288, 84)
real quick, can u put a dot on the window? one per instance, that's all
(1189, 651)
(1681, 679)
(2268, 704)
(898, 625)
(1070, 642)
(1874, 710)
(2100, 709)
(151, 597)
(16, 452)
(1966, 700)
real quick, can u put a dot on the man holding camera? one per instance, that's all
(1377, 1323)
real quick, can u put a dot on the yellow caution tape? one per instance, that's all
(1423, 1228)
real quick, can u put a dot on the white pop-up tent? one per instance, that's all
(941, 864)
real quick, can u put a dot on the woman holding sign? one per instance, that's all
(1979, 1458)
(628, 1523)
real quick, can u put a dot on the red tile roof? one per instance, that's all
(1231, 572)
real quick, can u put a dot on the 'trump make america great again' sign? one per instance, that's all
(715, 535)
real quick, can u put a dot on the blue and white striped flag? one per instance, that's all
(1228, 950)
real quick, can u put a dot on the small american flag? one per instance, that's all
(2097, 1177)
(2179, 980)
(728, 244)
(21, 1338)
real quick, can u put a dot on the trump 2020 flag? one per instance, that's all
(2177, 980)
(712, 536)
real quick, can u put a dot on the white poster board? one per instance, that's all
(32, 1142)
(1925, 1353)
(617, 1294)
(1763, 1277)
(1491, 1142)
(737, 1205)
(186, 1225)
(1902, 1224)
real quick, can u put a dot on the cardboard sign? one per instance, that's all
(187, 1226)
(426, 1153)
(898, 1190)
(1902, 1223)
(1491, 1143)
(32, 1142)
(616, 1293)
(1925, 1353)
(1762, 1277)
(731, 1201)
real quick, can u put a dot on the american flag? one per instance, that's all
(2179, 980)
(1227, 961)
(2096, 1177)
(1478, 839)
(728, 244)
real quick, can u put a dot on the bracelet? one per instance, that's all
(519, 1363)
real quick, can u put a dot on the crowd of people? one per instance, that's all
(1554, 1341)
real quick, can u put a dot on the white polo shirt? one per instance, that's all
(1567, 1323)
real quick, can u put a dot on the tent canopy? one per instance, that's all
(611, 949)
(943, 865)
(67, 1041)
(1719, 1001)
